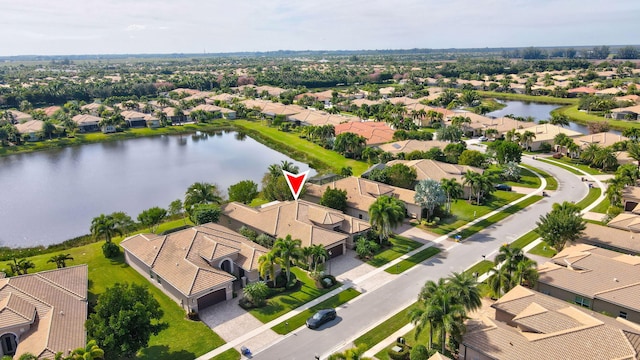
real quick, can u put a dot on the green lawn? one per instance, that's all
(184, 339)
(283, 303)
(498, 217)
(543, 249)
(602, 207)
(552, 183)
(581, 117)
(400, 246)
(464, 212)
(525, 239)
(565, 165)
(413, 260)
(302, 150)
(576, 163)
(532, 98)
(593, 195)
(258, 201)
(386, 328)
(480, 267)
(300, 319)
(231, 354)
(527, 178)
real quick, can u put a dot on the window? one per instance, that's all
(584, 302)
(623, 314)
(360, 216)
(151, 273)
(159, 280)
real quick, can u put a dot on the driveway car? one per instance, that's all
(321, 317)
(504, 187)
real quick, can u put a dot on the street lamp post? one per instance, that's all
(329, 262)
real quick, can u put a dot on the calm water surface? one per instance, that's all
(48, 197)
(537, 111)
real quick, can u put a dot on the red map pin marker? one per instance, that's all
(295, 182)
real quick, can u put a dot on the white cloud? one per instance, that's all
(135, 27)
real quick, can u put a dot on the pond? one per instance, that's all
(538, 111)
(52, 196)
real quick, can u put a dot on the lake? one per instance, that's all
(52, 196)
(537, 110)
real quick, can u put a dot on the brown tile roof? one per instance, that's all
(184, 258)
(360, 102)
(86, 119)
(59, 298)
(374, 132)
(50, 110)
(311, 223)
(627, 222)
(546, 132)
(605, 236)
(633, 109)
(558, 331)
(582, 271)
(631, 192)
(582, 90)
(212, 108)
(95, 107)
(30, 126)
(407, 146)
(131, 114)
(436, 170)
(361, 193)
(19, 116)
(603, 139)
(317, 118)
(15, 311)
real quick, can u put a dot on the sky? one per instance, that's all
(74, 27)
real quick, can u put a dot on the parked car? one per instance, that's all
(483, 138)
(321, 317)
(503, 187)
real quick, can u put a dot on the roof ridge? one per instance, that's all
(60, 286)
(164, 240)
(618, 288)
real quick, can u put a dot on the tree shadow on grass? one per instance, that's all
(159, 352)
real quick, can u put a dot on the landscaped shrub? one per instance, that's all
(110, 250)
(192, 315)
(557, 156)
(420, 352)
(327, 281)
(400, 355)
(545, 147)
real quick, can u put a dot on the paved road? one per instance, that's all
(370, 308)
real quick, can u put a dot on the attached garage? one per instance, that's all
(212, 299)
(335, 251)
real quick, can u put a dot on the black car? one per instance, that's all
(503, 187)
(321, 317)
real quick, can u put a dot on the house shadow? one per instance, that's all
(163, 352)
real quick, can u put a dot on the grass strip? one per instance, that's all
(531, 98)
(386, 328)
(552, 183)
(400, 246)
(413, 260)
(602, 207)
(525, 239)
(231, 354)
(593, 195)
(543, 249)
(300, 319)
(571, 170)
(580, 117)
(575, 163)
(498, 217)
(480, 267)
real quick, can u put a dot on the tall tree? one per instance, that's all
(244, 191)
(267, 266)
(125, 317)
(60, 260)
(561, 225)
(335, 199)
(152, 217)
(452, 189)
(385, 214)
(288, 250)
(429, 195)
(104, 226)
(201, 193)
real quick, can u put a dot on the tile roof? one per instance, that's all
(184, 258)
(212, 108)
(606, 236)
(627, 221)
(594, 273)
(95, 107)
(311, 223)
(582, 90)
(374, 132)
(554, 330)
(603, 139)
(131, 114)
(361, 193)
(633, 109)
(407, 146)
(55, 301)
(30, 126)
(546, 132)
(317, 118)
(81, 119)
(436, 170)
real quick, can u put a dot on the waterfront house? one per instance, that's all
(88, 123)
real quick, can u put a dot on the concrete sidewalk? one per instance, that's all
(254, 339)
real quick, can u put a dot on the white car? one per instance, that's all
(483, 138)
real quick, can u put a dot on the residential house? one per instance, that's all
(170, 112)
(151, 121)
(599, 279)
(220, 111)
(546, 133)
(323, 96)
(626, 113)
(610, 91)
(43, 313)
(361, 193)
(408, 146)
(93, 108)
(480, 124)
(16, 117)
(31, 130)
(630, 197)
(50, 110)
(197, 266)
(635, 99)
(134, 119)
(436, 170)
(375, 132)
(88, 123)
(318, 118)
(528, 325)
(620, 235)
(603, 139)
(313, 224)
(582, 90)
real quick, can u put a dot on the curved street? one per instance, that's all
(369, 309)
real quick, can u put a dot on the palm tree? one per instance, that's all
(447, 314)
(351, 354)
(559, 119)
(465, 289)
(499, 281)
(318, 254)
(60, 260)
(104, 225)
(385, 214)
(527, 139)
(510, 256)
(419, 316)
(605, 159)
(525, 273)
(614, 190)
(472, 179)
(288, 250)
(573, 149)
(633, 149)
(633, 134)
(267, 266)
(512, 135)
(201, 193)
(589, 153)
(453, 189)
